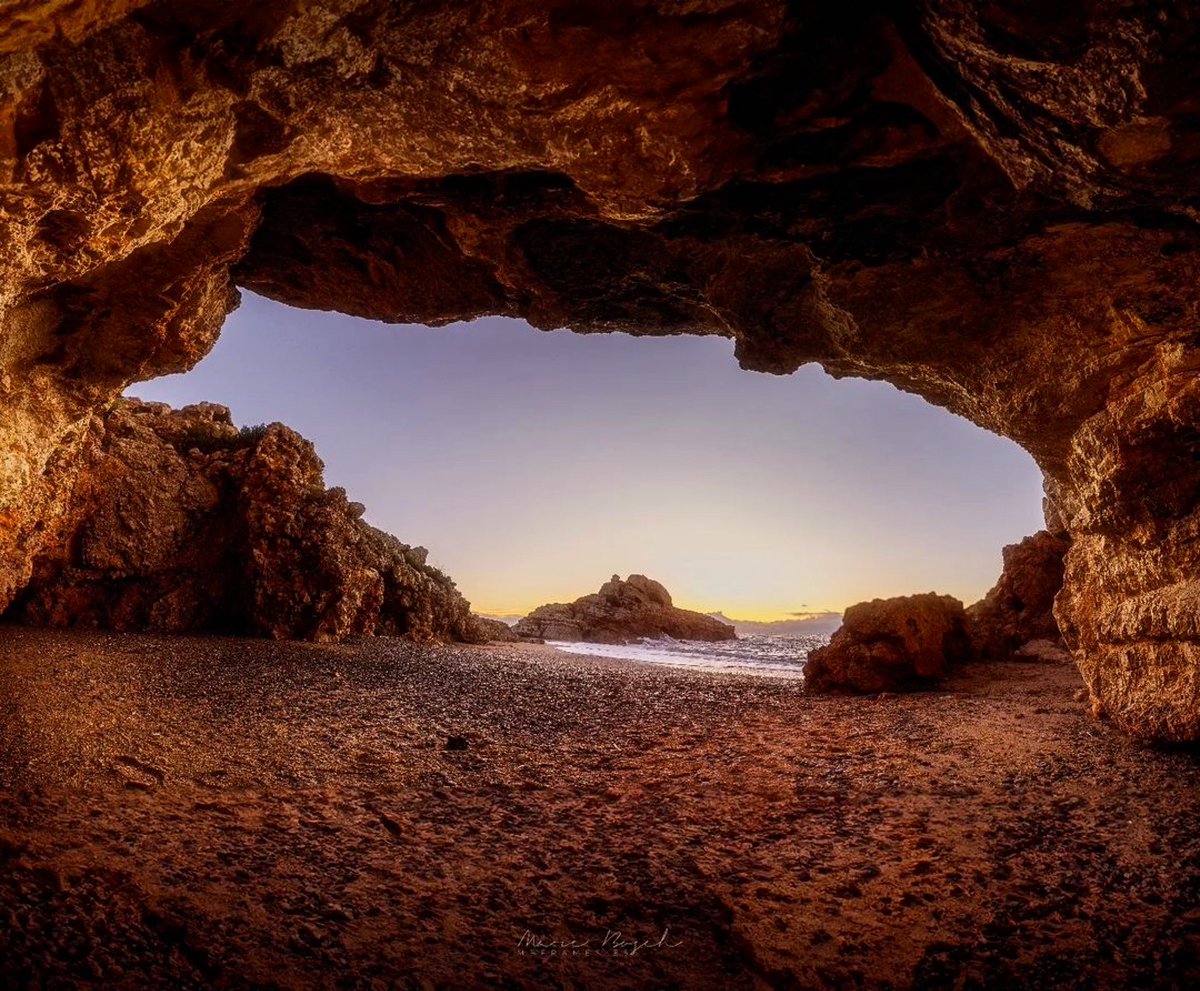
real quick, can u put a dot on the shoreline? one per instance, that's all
(601, 662)
(211, 812)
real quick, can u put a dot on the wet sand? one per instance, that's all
(193, 812)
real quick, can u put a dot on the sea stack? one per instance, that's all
(621, 612)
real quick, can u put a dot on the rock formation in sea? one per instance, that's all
(180, 521)
(621, 612)
(897, 644)
(1020, 606)
(990, 205)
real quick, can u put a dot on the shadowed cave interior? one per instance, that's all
(992, 206)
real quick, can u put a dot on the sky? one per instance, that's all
(535, 465)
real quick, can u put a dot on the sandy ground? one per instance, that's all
(184, 813)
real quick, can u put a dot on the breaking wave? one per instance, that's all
(769, 656)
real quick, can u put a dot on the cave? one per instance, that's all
(991, 209)
(991, 206)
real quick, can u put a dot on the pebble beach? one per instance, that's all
(193, 812)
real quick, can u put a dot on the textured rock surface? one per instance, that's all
(891, 645)
(183, 522)
(494, 630)
(1047, 651)
(621, 612)
(992, 205)
(1020, 607)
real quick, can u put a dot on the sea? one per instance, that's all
(765, 656)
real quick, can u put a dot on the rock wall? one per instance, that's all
(1020, 606)
(621, 612)
(182, 522)
(991, 205)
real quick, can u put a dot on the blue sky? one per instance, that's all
(535, 465)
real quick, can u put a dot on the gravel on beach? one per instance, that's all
(206, 812)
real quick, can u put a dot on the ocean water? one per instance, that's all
(767, 656)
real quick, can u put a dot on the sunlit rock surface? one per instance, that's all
(621, 612)
(899, 644)
(493, 630)
(990, 205)
(183, 522)
(1020, 606)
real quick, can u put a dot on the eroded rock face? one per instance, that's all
(991, 205)
(182, 522)
(621, 612)
(1020, 606)
(495, 630)
(898, 644)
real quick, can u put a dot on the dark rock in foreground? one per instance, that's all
(891, 645)
(183, 522)
(621, 612)
(1020, 607)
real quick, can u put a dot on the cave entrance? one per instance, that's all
(534, 465)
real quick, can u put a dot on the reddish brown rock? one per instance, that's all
(183, 522)
(494, 630)
(621, 612)
(1046, 651)
(895, 644)
(990, 205)
(1020, 607)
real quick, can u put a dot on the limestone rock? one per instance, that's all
(1046, 651)
(493, 630)
(990, 205)
(1020, 607)
(621, 612)
(182, 522)
(891, 645)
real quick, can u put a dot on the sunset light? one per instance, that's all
(534, 464)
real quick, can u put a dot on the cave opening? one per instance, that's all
(989, 206)
(534, 464)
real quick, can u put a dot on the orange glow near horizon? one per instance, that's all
(534, 465)
(750, 613)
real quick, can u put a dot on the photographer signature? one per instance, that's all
(614, 942)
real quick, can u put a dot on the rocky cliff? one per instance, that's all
(991, 205)
(1020, 606)
(181, 521)
(621, 612)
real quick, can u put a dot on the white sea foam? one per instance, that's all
(772, 657)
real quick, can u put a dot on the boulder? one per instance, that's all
(891, 645)
(621, 612)
(182, 522)
(1020, 607)
(1045, 651)
(493, 630)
